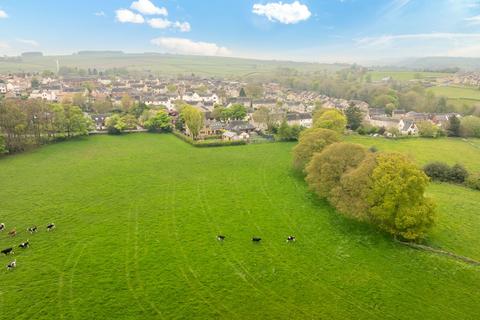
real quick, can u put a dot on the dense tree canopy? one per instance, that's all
(157, 121)
(332, 119)
(312, 141)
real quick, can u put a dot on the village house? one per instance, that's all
(407, 127)
(301, 119)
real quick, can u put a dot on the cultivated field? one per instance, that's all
(137, 218)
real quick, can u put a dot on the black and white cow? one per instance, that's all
(2, 226)
(220, 237)
(32, 229)
(12, 265)
(291, 239)
(256, 239)
(50, 226)
(7, 251)
(24, 245)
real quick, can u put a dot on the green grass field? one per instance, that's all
(459, 96)
(405, 75)
(137, 217)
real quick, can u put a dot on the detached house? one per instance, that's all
(407, 127)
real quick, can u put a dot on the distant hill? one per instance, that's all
(159, 64)
(440, 63)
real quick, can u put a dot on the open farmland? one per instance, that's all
(137, 218)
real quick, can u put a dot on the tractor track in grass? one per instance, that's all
(127, 266)
(195, 283)
(339, 293)
(72, 275)
(235, 266)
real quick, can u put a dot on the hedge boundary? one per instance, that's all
(207, 144)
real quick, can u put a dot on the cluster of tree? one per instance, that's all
(29, 123)
(117, 123)
(442, 172)
(235, 112)
(383, 189)
(286, 132)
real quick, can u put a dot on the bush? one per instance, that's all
(3, 147)
(458, 174)
(207, 143)
(439, 171)
(473, 181)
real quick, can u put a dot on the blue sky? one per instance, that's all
(307, 30)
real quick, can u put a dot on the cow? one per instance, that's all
(220, 237)
(12, 265)
(256, 239)
(2, 226)
(12, 233)
(7, 251)
(50, 226)
(24, 245)
(291, 239)
(32, 229)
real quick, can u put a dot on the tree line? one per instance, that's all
(29, 123)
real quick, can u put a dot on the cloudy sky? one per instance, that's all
(306, 30)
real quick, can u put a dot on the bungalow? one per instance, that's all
(213, 128)
(240, 126)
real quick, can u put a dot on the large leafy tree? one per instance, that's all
(332, 119)
(312, 141)
(327, 168)
(470, 127)
(396, 198)
(454, 126)
(194, 120)
(354, 117)
(157, 121)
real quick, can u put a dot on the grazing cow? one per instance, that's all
(13, 233)
(32, 229)
(7, 251)
(256, 239)
(24, 245)
(220, 237)
(50, 226)
(2, 226)
(291, 239)
(12, 265)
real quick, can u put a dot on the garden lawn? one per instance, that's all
(137, 218)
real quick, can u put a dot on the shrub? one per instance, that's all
(310, 142)
(473, 181)
(437, 171)
(3, 147)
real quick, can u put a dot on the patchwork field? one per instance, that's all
(137, 218)
(459, 96)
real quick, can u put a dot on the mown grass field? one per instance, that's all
(137, 217)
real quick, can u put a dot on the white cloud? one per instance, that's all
(183, 26)
(187, 46)
(146, 7)
(473, 20)
(159, 23)
(125, 16)
(389, 39)
(100, 14)
(287, 13)
(3, 14)
(32, 43)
